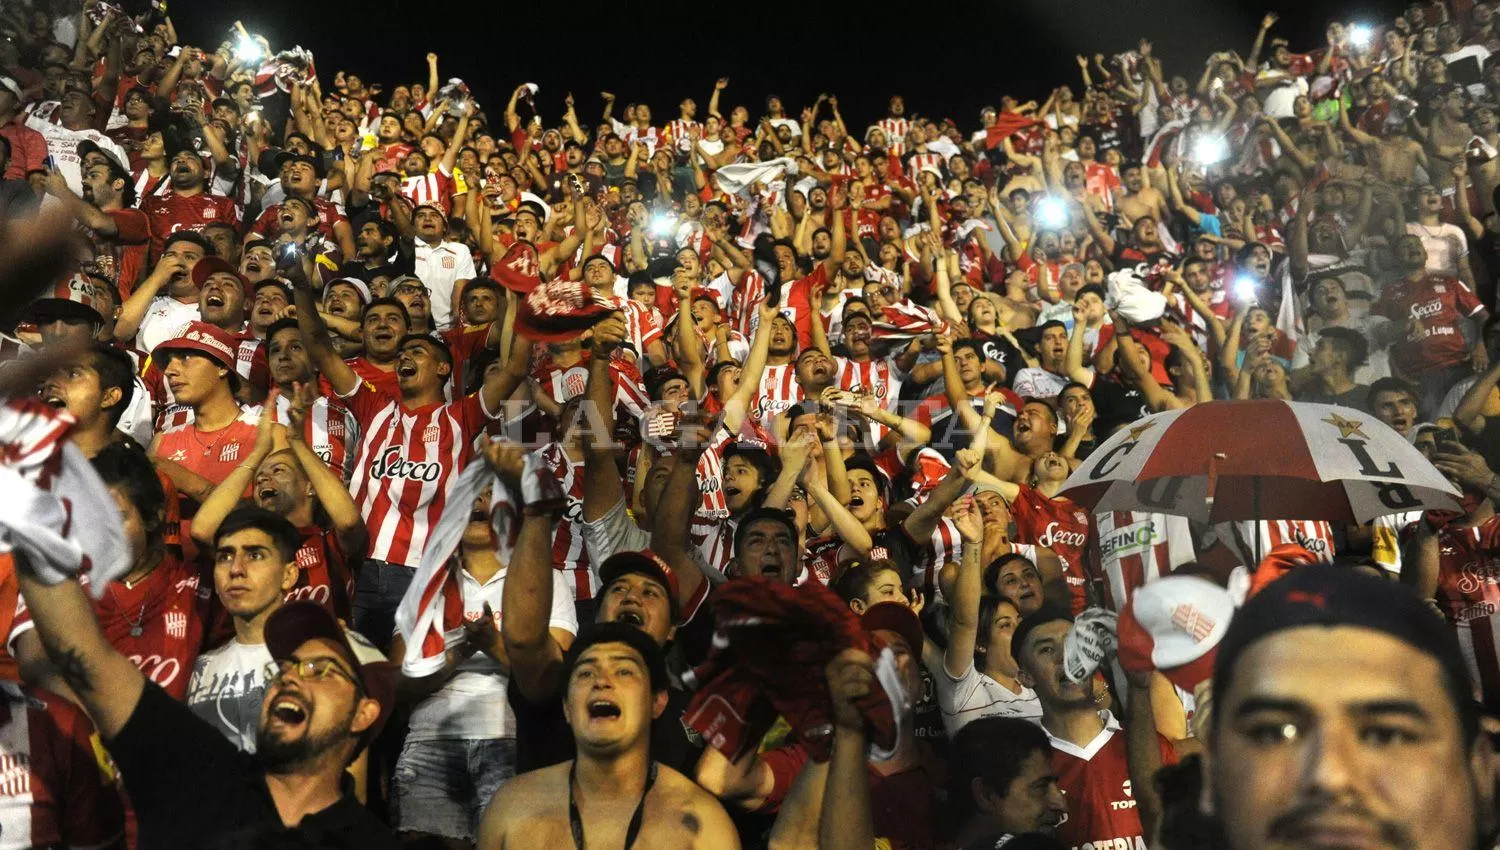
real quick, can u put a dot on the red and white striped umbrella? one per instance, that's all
(1269, 459)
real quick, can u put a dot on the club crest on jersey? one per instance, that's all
(431, 434)
(391, 464)
(229, 453)
(176, 625)
(335, 426)
(15, 775)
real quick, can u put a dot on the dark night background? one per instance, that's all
(947, 58)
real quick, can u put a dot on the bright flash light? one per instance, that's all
(1360, 35)
(1210, 150)
(1245, 288)
(1051, 213)
(246, 49)
(662, 224)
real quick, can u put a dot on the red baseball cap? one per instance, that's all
(209, 266)
(203, 338)
(296, 623)
(561, 310)
(646, 563)
(895, 617)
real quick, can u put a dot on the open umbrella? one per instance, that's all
(1260, 460)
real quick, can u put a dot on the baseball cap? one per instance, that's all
(894, 617)
(646, 563)
(597, 633)
(1319, 595)
(1049, 612)
(117, 167)
(209, 266)
(1173, 625)
(359, 286)
(74, 298)
(296, 623)
(202, 338)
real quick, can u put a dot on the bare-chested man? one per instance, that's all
(1395, 156)
(1139, 199)
(612, 794)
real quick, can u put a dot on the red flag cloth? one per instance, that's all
(1006, 124)
(771, 645)
(905, 320)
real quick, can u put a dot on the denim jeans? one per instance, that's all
(441, 787)
(377, 592)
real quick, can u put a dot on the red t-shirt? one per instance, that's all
(171, 212)
(58, 789)
(1060, 525)
(126, 252)
(1096, 780)
(1438, 303)
(269, 222)
(1468, 595)
(158, 624)
(323, 573)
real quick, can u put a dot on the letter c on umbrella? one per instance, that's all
(1100, 470)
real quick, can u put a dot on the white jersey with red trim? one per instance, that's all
(434, 187)
(778, 391)
(407, 462)
(569, 555)
(1133, 548)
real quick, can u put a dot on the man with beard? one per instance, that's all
(1343, 716)
(256, 554)
(118, 233)
(168, 298)
(1095, 766)
(376, 244)
(321, 707)
(614, 689)
(189, 206)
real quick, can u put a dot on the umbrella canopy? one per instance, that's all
(1267, 459)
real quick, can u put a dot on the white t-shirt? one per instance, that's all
(229, 683)
(164, 318)
(440, 266)
(472, 704)
(1445, 245)
(1035, 382)
(974, 695)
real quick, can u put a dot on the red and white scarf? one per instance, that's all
(430, 617)
(57, 512)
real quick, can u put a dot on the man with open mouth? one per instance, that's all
(615, 686)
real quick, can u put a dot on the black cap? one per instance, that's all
(296, 623)
(1318, 595)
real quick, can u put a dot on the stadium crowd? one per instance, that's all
(502, 474)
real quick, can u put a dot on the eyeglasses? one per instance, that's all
(310, 668)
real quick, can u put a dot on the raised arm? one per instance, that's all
(536, 658)
(228, 493)
(328, 488)
(680, 497)
(315, 333)
(963, 632)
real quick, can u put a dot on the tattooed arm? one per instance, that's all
(106, 683)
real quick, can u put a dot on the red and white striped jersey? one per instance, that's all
(1469, 596)
(778, 391)
(745, 300)
(652, 136)
(569, 555)
(407, 461)
(1133, 548)
(644, 325)
(710, 474)
(922, 160)
(330, 431)
(147, 187)
(55, 786)
(1316, 536)
(679, 133)
(714, 539)
(881, 378)
(945, 547)
(434, 187)
(565, 383)
(895, 130)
